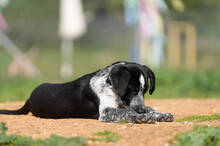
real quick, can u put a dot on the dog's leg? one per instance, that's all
(123, 114)
(160, 117)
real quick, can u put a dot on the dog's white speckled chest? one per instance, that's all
(103, 90)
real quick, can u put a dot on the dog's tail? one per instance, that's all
(22, 111)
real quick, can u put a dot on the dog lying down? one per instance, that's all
(112, 94)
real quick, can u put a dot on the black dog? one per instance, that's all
(112, 94)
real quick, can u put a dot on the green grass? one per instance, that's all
(16, 90)
(106, 135)
(181, 83)
(198, 118)
(53, 140)
(122, 122)
(199, 136)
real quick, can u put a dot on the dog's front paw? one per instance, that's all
(164, 117)
(146, 118)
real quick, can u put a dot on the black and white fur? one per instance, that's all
(112, 94)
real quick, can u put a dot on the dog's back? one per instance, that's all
(68, 100)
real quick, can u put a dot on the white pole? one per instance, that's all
(67, 58)
(72, 25)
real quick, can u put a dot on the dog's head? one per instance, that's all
(130, 82)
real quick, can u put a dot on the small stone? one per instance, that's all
(74, 134)
(123, 127)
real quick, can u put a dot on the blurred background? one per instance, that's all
(56, 41)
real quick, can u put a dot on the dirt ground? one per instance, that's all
(132, 134)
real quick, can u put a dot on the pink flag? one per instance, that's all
(3, 24)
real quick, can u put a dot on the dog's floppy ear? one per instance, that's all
(119, 78)
(151, 75)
